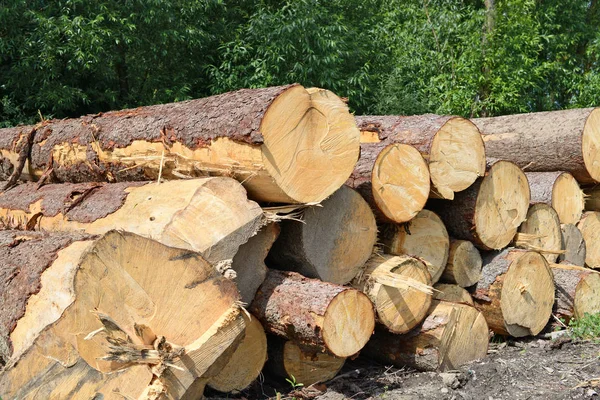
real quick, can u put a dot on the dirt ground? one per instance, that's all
(530, 369)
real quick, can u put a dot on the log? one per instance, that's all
(573, 244)
(589, 225)
(452, 293)
(424, 237)
(400, 289)
(452, 146)
(247, 361)
(393, 179)
(331, 243)
(249, 262)
(592, 198)
(568, 139)
(85, 317)
(331, 317)
(301, 364)
(211, 216)
(515, 292)
(577, 291)
(561, 191)
(489, 212)
(452, 335)
(540, 232)
(286, 144)
(464, 264)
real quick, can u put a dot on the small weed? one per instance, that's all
(295, 385)
(587, 327)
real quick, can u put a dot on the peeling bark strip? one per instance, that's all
(569, 140)
(559, 190)
(99, 317)
(334, 318)
(286, 143)
(452, 146)
(515, 292)
(211, 215)
(452, 335)
(577, 291)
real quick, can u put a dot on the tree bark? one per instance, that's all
(285, 143)
(84, 317)
(589, 225)
(333, 318)
(559, 190)
(577, 291)
(573, 244)
(541, 232)
(211, 215)
(451, 145)
(515, 292)
(464, 264)
(568, 139)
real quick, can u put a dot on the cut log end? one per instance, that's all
(587, 296)
(590, 230)
(567, 199)
(400, 182)
(577, 291)
(573, 245)
(464, 264)
(452, 293)
(457, 157)
(311, 143)
(541, 232)
(591, 144)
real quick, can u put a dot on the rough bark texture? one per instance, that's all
(569, 280)
(573, 244)
(544, 141)
(464, 264)
(567, 200)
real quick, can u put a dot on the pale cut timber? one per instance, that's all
(247, 361)
(425, 237)
(464, 264)
(570, 140)
(86, 317)
(333, 318)
(211, 216)
(452, 335)
(286, 144)
(332, 242)
(400, 289)
(559, 190)
(489, 212)
(589, 225)
(577, 291)
(305, 365)
(393, 178)
(541, 232)
(452, 146)
(249, 262)
(452, 293)
(573, 244)
(515, 292)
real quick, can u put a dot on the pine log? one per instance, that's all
(331, 243)
(490, 211)
(573, 245)
(393, 178)
(568, 138)
(540, 232)
(452, 294)
(592, 198)
(589, 225)
(577, 291)
(559, 190)
(515, 292)
(331, 317)
(452, 335)
(425, 237)
(82, 317)
(211, 216)
(304, 365)
(247, 361)
(249, 262)
(464, 264)
(286, 143)
(451, 145)
(400, 289)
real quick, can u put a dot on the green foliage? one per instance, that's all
(587, 327)
(292, 381)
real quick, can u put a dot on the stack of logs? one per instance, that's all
(149, 253)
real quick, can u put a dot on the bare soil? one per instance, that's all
(529, 369)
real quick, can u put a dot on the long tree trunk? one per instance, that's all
(515, 292)
(285, 143)
(568, 138)
(559, 190)
(541, 232)
(333, 318)
(490, 211)
(573, 245)
(393, 178)
(85, 317)
(464, 264)
(211, 215)
(451, 145)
